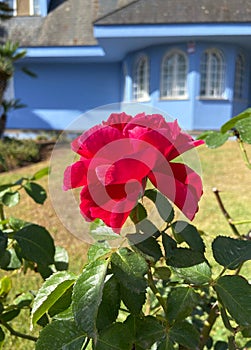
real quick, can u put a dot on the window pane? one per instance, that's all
(141, 80)
(239, 77)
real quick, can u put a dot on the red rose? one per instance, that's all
(117, 158)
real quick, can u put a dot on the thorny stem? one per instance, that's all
(208, 325)
(155, 290)
(18, 334)
(225, 213)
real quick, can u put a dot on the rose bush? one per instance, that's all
(118, 156)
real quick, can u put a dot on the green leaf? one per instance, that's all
(198, 274)
(147, 229)
(59, 335)
(214, 139)
(129, 268)
(87, 296)
(166, 344)
(36, 192)
(3, 242)
(183, 231)
(23, 300)
(235, 294)
(41, 173)
(10, 199)
(9, 260)
(99, 231)
(115, 337)
(109, 307)
(17, 224)
(62, 304)
(36, 244)
(184, 257)
(145, 330)
(169, 245)
(2, 335)
(149, 247)
(8, 316)
(5, 286)
(230, 124)
(185, 334)
(180, 303)
(61, 259)
(244, 128)
(230, 252)
(97, 251)
(163, 205)
(52, 289)
(221, 345)
(133, 301)
(162, 272)
(138, 213)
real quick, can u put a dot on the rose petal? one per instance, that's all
(75, 175)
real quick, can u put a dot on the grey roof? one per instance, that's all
(70, 22)
(180, 11)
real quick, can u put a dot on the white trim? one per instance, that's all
(140, 84)
(171, 84)
(212, 74)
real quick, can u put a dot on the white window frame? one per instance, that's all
(32, 8)
(239, 76)
(212, 74)
(174, 83)
(141, 79)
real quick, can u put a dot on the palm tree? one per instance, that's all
(5, 11)
(9, 54)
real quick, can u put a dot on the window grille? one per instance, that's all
(141, 79)
(239, 77)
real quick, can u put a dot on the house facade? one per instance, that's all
(188, 58)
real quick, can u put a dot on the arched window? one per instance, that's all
(239, 76)
(212, 71)
(174, 75)
(141, 79)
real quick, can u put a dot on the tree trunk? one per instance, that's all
(3, 121)
(4, 77)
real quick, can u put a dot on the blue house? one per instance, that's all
(189, 58)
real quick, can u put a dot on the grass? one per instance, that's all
(222, 168)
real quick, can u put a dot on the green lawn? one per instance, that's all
(222, 168)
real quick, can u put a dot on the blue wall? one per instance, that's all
(61, 92)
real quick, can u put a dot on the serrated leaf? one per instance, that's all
(216, 139)
(163, 205)
(230, 124)
(59, 335)
(36, 192)
(244, 128)
(184, 257)
(62, 304)
(145, 330)
(166, 344)
(185, 232)
(129, 268)
(9, 260)
(17, 224)
(180, 303)
(133, 301)
(61, 259)
(2, 335)
(97, 251)
(198, 274)
(52, 289)
(185, 334)
(149, 247)
(36, 244)
(87, 296)
(115, 337)
(235, 294)
(162, 272)
(169, 245)
(220, 345)
(138, 213)
(10, 199)
(230, 252)
(41, 173)
(99, 231)
(109, 307)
